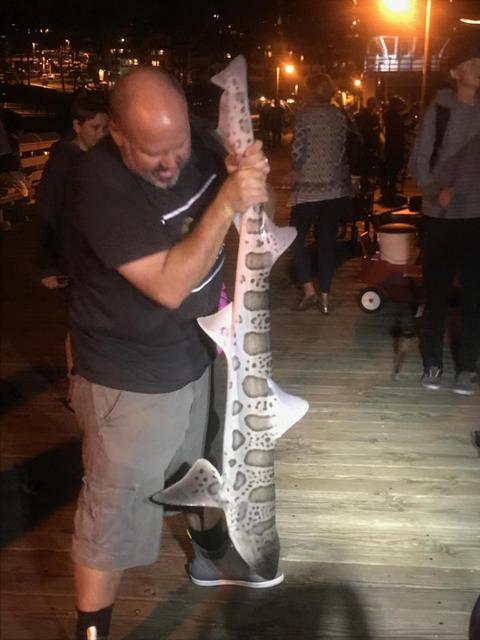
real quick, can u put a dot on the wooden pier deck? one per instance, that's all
(378, 486)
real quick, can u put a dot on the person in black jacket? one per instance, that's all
(89, 123)
(368, 124)
(395, 140)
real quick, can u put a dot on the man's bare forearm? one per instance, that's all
(167, 277)
(189, 261)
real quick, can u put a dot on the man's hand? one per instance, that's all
(55, 282)
(247, 183)
(243, 189)
(167, 277)
(444, 197)
(252, 158)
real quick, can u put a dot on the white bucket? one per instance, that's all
(397, 243)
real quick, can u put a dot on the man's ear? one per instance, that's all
(116, 133)
(454, 73)
(77, 127)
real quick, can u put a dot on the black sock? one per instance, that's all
(213, 539)
(99, 619)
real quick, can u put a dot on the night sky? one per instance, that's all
(181, 16)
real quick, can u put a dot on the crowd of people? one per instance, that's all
(444, 161)
(387, 132)
(137, 202)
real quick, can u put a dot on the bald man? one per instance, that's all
(150, 211)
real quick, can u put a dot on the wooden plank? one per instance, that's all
(54, 564)
(34, 161)
(39, 145)
(326, 611)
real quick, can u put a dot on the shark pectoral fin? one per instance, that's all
(199, 487)
(217, 327)
(237, 221)
(284, 236)
(291, 409)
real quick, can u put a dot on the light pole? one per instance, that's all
(426, 55)
(404, 7)
(289, 69)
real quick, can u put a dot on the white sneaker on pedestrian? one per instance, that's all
(431, 378)
(466, 383)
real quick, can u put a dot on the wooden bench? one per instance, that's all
(34, 153)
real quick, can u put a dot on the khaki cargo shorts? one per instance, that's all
(133, 443)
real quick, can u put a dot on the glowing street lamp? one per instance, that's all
(398, 6)
(405, 8)
(289, 69)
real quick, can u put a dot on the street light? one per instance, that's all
(288, 69)
(397, 6)
(405, 8)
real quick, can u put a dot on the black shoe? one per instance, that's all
(432, 378)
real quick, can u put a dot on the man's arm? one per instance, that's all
(168, 277)
(419, 162)
(49, 204)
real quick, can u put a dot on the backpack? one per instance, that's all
(442, 117)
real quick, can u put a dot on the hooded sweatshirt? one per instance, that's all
(458, 162)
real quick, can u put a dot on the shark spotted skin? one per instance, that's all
(258, 412)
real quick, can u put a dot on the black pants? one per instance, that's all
(325, 216)
(276, 137)
(475, 622)
(451, 247)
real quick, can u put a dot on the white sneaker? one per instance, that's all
(208, 570)
(432, 378)
(466, 383)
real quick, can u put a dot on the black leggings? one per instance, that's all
(325, 216)
(451, 247)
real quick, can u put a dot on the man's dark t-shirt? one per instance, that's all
(121, 338)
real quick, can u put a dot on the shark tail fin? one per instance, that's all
(200, 487)
(291, 409)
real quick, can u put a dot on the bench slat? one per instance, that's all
(34, 161)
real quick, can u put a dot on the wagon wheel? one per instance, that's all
(371, 299)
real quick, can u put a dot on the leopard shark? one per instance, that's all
(257, 412)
